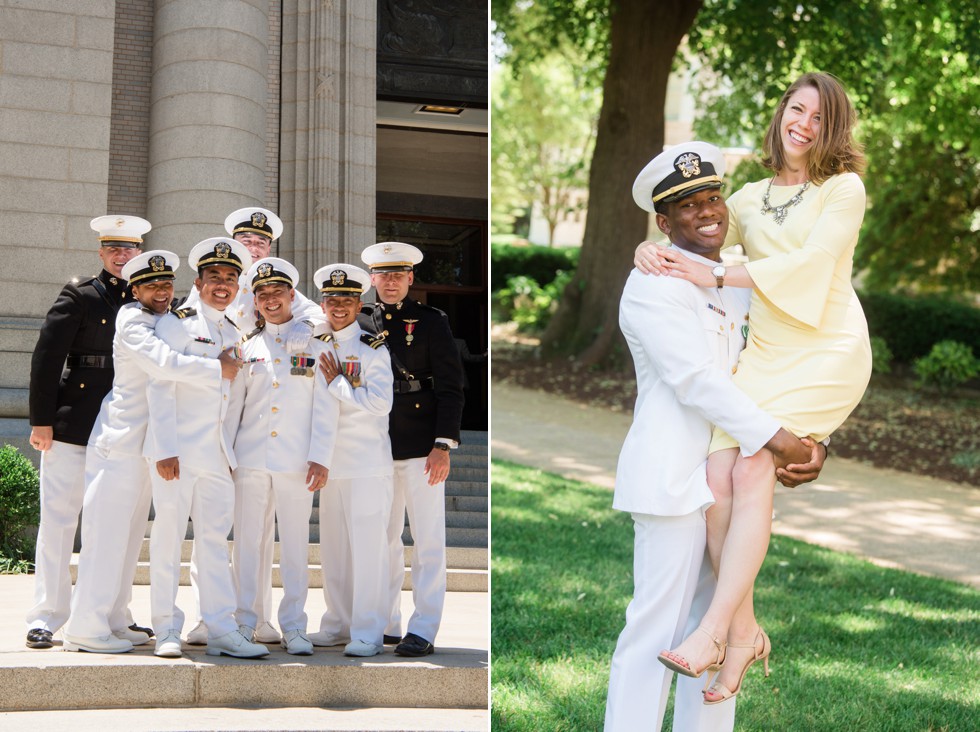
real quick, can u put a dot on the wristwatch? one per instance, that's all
(441, 446)
(719, 273)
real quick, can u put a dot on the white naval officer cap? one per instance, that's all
(391, 256)
(156, 264)
(120, 231)
(272, 269)
(677, 172)
(254, 220)
(219, 251)
(341, 280)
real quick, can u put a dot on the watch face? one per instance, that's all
(718, 271)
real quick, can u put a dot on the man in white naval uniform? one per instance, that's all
(354, 389)
(193, 459)
(279, 443)
(257, 228)
(685, 342)
(117, 476)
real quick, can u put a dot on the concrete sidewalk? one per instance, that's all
(891, 518)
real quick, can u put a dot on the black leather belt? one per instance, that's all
(410, 386)
(90, 362)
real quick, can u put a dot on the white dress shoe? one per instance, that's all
(362, 648)
(136, 637)
(248, 631)
(235, 644)
(297, 643)
(104, 644)
(322, 639)
(266, 633)
(198, 635)
(168, 644)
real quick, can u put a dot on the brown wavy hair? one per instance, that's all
(835, 150)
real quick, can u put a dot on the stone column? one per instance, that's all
(207, 118)
(327, 154)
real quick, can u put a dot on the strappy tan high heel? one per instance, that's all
(686, 670)
(723, 691)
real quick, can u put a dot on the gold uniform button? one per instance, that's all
(274, 433)
(417, 405)
(278, 340)
(275, 410)
(721, 328)
(275, 384)
(103, 321)
(384, 333)
(277, 360)
(734, 369)
(81, 386)
(387, 316)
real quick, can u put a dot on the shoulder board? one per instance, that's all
(253, 333)
(325, 337)
(185, 312)
(374, 341)
(233, 323)
(145, 309)
(430, 308)
(79, 281)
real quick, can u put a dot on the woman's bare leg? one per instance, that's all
(718, 517)
(742, 554)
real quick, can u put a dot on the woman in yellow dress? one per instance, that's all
(807, 361)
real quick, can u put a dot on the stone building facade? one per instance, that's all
(356, 121)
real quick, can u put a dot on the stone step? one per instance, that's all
(456, 677)
(476, 534)
(457, 580)
(456, 557)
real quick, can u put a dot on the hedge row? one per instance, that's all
(539, 263)
(912, 325)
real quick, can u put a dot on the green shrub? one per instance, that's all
(19, 504)
(913, 325)
(527, 303)
(948, 365)
(541, 264)
(881, 355)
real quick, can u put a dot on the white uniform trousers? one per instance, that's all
(259, 493)
(673, 585)
(353, 554)
(426, 505)
(114, 515)
(209, 500)
(62, 492)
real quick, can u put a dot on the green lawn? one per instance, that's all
(855, 647)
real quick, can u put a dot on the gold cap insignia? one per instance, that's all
(338, 278)
(157, 263)
(258, 219)
(387, 249)
(222, 250)
(265, 269)
(688, 164)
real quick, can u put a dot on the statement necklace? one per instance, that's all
(779, 212)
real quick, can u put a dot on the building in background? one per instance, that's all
(356, 122)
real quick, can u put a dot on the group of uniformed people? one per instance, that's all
(231, 410)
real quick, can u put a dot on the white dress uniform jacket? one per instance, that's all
(186, 417)
(680, 339)
(357, 444)
(242, 310)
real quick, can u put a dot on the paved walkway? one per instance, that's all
(892, 518)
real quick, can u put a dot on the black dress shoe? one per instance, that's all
(392, 640)
(414, 646)
(140, 629)
(39, 638)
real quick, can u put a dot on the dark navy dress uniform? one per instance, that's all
(429, 389)
(77, 332)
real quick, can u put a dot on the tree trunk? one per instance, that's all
(644, 37)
